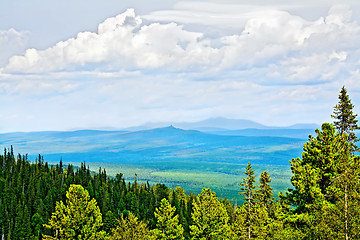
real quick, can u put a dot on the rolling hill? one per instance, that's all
(189, 158)
(156, 144)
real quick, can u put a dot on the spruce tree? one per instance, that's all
(345, 120)
(264, 194)
(247, 188)
(130, 228)
(167, 225)
(319, 166)
(210, 218)
(80, 218)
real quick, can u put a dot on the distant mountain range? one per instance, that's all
(158, 144)
(214, 157)
(218, 124)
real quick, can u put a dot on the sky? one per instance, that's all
(110, 64)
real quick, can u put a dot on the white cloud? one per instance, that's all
(121, 42)
(269, 65)
(12, 42)
(268, 37)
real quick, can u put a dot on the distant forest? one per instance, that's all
(42, 201)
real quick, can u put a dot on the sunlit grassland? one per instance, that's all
(223, 178)
(175, 157)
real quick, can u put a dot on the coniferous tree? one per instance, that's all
(264, 194)
(340, 218)
(210, 218)
(130, 228)
(167, 223)
(109, 221)
(345, 120)
(37, 224)
(319, 165)
(247, 188)
(326, 182)
(80, 218)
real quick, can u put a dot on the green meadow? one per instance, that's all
(191, 159)
(223, 178)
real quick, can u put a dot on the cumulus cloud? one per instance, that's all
(121, 42)
(273, 68)
(300, 49)
(12, 43)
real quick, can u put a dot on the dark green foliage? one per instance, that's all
(324, 203)
(327, 188)
(345, 120)
(29, 192)
(264, 194)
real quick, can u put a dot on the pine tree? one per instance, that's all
(130, 228)
(259, 222)
(80, 218)
(167, 225)
(109, 221)
(340, 219)
(319, 165)
(345, 120)
(327, 187)
(37, 223)
(247, 188)
(264, 194)
(210, 218)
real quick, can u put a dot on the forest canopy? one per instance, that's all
(42, 201)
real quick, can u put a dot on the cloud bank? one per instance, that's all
(266, 65)
(267, 39)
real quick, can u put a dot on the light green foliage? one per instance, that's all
(340, 218)
(80, 218)
(239, 226)
(258, 223)
(210, 218)
(130, 228)
(319, 166)
(326, 181)
(252, 219)
(167, 224)
(247, 188)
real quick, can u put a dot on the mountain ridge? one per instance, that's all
(219, 123)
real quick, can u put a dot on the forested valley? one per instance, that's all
(42, 201)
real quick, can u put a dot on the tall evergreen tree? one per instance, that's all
(210, 218)
(130, 228)
(167, 225)
(319, 166)
(327, 185)
(264, 194)
(79, 219)
(345, 120)
(247, 188)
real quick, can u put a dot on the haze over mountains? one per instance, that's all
(192, 155)
(208, 140)
(219, 123)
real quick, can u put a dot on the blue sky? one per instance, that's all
(110, 64)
